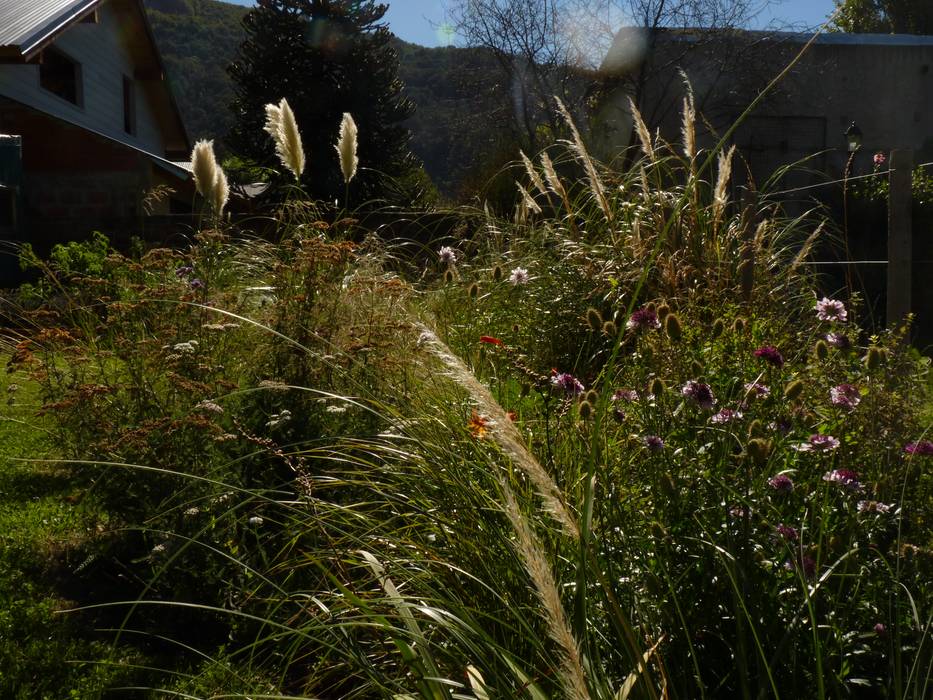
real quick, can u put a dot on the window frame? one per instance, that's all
(78, 76)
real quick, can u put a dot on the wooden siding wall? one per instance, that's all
(104, 52)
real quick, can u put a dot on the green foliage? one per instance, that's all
(885, 16)
(197, 40)
(586, 449)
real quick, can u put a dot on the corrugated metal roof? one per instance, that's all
(26, 24)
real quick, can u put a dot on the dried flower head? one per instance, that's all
(839, 341)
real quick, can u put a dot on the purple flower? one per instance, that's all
(781, 483)
(184, 271)
(873, 507)
(806, 564)
(924, 448)
(783, 425)
(701, 394)
(654, 443)
(879, 627)
(567, 383)
(818, 443)
(447, 255)
(643, 319)
(629, 395)
(787, 532)
(845, 396)
(754, 390)
(843, 477)
(196, 283)
(830, 310)
(726, 415)
(771, 355)
(839, 340)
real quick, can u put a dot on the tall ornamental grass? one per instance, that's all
(610, 446)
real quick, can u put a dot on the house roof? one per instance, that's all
(25, 26)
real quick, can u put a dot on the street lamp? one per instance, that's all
(853, 137)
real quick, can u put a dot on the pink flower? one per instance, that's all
(770, 354)
(567, 383)
(924, 448)
(781, 483)
(845, 396)
(787, 532)
(830, 310)
(700, 393)
(643, 319)
(654, 443)
(843, 477)
(818, 443)
(878, 159)
(726, 415)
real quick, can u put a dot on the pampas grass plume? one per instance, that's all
(346, 147)
(281, 125)
(209, 177)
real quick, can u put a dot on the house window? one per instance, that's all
(60, 75)
(129, 106)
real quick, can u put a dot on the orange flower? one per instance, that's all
(478, 425)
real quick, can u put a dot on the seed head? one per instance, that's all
(497, 273)
(586, 409)
(717, 329)
(346, 147)
(739, 325)
(594, 319)
(793, 390)
(821, 350)
(873, 358)
(672, 327)
(657, 387)
(473, 291)
(610, 329)
(758, 450)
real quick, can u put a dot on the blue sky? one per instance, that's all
(422, 21)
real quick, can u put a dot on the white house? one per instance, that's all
(89, 122)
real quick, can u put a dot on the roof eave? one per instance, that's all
(30, 46)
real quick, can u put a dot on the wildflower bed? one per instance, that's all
(574, 453)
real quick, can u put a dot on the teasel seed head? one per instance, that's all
(793, 390)
(672, 327)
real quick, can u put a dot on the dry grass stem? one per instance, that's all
(596, 185)
(539, 571)
(644, 136)
(720, 192)
(528, 202)
(533, 175)
(504, 433)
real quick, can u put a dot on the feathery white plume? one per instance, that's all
(204, 167)
(346, 147)
(281, 125)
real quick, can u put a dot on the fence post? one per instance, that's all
(900, 236)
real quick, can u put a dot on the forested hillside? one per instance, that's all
(453, 128)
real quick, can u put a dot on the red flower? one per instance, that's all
(490, 340)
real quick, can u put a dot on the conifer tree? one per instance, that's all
(326, 57)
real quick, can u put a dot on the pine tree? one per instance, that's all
(326, 57)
